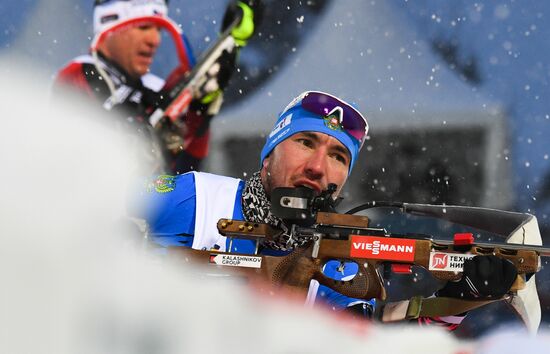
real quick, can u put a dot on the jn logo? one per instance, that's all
(440, 260)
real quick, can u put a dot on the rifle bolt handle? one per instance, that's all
(401, 268)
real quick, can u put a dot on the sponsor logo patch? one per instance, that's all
(236, 260)
(390, 249)
(281, 125)
(448, 262)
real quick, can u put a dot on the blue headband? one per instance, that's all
(296, 120)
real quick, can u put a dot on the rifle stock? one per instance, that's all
(291, 273)
(347, 238)
(177, 100)
(351, 234)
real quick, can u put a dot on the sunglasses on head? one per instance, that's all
(328, 106)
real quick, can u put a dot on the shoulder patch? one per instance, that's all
(162, 184)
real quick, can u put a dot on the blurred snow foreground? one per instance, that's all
(72, 284)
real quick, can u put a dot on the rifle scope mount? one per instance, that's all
(299, 205)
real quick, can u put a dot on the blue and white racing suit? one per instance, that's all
(184, 210)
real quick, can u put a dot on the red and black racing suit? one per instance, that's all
(137, 98)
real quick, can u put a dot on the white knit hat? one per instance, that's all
(108, 13)
(111, 15)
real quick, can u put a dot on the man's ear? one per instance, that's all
(265, 162)
(265, 166)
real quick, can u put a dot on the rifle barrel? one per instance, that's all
(541, 251)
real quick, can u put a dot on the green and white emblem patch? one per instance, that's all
(333, 120)
(162, 184)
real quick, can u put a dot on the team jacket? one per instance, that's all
(183, 211)
(138, 97)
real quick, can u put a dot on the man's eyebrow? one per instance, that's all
(311, 135)
(343, 150)
(338, 147)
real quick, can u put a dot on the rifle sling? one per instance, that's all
(429, 307)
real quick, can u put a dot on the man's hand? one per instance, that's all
(250, 14)
(484, 277)
(208, 98)
(217, 79)
(172, 137)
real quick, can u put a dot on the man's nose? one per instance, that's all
(153, 37)
(316, 165)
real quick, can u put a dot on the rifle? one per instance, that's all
(176, 101)
(348, 238)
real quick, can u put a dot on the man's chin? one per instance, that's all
(140, 70)
(140, 73)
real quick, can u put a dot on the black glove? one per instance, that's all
(250, 12)
(217, 78)
(171, 137)
(208, 97)
(483, 277)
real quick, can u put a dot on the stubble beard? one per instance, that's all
(267, 182)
